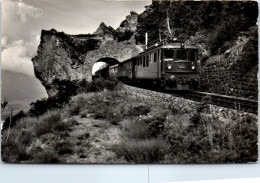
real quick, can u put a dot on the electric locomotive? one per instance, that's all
(171, 65)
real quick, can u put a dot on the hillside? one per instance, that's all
(225, 32)
(124, 124)
(216, 24)
(21, 87)
(20, 90)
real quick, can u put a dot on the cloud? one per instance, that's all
(26, 12)
(15, 57)
(19, 42)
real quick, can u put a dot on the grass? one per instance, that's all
(30, 139)
(153, 130)
(142, 151)
(212, 139)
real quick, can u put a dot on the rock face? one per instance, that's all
(105, 32)
(60, 57)
(71, 57)
(130, 23)
(221, 74)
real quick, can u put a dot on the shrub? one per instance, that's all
(20, 145)
(217, 140)
(139, 109)
(142, 151)
(135, 129)
(47, 122)
(155, 122)
(64, 147)
(15, 118)
(124, 36)
(46, 156)
(13, 149)
(100, 85)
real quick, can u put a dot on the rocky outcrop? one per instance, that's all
(105, 32)
(129, 24)
(71, 57)
(60, 56)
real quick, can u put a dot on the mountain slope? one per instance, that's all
(21, 87)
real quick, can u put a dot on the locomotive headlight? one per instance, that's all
(172, 77)
(193, 66)
(169, 66)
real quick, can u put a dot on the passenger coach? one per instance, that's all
(172, 66)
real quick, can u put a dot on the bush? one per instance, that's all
(124, 36)
(21, 146)
(142, 151)
(15, 118)
(47, 123)
(136, 129)
(67, 89)
(13, 149)
(249, 58)
(46, 156)
(138, 109)
(217, 140)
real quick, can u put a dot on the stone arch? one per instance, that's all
(109, 60)
(103, 71)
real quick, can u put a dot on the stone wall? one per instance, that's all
(220, 74)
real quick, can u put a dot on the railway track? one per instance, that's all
(237, 103)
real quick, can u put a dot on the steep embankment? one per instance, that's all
(226, 33)
(224, 74)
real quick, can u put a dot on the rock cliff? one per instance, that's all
(129, 24)
(106, 32)
(62, 56)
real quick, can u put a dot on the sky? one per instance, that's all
(23, 20)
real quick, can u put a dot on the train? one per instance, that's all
(171, 65)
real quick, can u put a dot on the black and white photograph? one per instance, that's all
(129, 82)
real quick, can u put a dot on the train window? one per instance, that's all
(168, 54)
(143, 61)
(192, 55)
(147, 60)
(155, 57)
(181, 54)
(151, 57)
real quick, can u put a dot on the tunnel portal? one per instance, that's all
(100, 68)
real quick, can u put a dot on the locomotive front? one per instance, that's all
(179, 66)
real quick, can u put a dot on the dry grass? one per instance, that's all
(154, 130)
(142, 151)
(27, 140)
(192, 133)
(213, 139)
